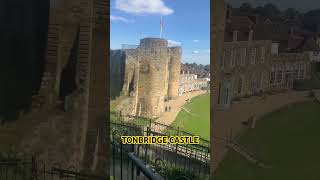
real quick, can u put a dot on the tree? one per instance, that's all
(311, 20)
(246, 7)
(291, 13)
(271, 10)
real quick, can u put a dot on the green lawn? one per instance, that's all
(288, 140)
(199, 122)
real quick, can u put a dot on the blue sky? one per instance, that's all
(185, 22)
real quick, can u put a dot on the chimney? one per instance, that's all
(250, 35)
(235, 36)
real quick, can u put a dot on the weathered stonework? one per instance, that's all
(152, 73)
(174, 72)
(75, 80)
(218, 14)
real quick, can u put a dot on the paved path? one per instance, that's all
(168, 118)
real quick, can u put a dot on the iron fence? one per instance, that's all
(17, 166)
(154, 127)
(168, 161)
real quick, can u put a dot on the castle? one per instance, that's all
(73, 93)
(150, 77)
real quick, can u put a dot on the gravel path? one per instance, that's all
(176, 104)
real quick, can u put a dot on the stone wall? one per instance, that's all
(117, 64)
(152, 73)
(218, 14)
(174, 72)
(83, 23)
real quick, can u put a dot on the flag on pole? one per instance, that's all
(161, 27)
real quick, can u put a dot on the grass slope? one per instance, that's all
(288, 140)
(199, 123)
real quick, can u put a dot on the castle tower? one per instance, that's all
(153, 76)
(174, 71)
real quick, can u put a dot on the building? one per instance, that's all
(259, 56)
(191, 82)
(255, 66)
(245, 70)
(288, 67)
(151, 75)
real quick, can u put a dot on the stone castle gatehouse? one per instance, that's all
(151, 76)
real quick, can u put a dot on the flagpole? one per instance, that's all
(161, 24)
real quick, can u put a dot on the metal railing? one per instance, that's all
(169, 161)
(15, 166)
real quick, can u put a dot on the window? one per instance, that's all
(233, 57)
(223, 60)
(263, 54)
(288, 69)
(273, 76)
(253, 55)
(301, 71)
(252, 84)
(243, 56)
(226, 100)
(295, 71)
(279, 75)
(262, 81)
(240, 86)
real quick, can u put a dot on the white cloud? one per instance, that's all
(196, 40)
(173, 43)
(143, 7)
(119, 18)
(195, 52)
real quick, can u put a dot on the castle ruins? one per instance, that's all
(73, 95)
(151, 76)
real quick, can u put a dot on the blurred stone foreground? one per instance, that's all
(67, 123)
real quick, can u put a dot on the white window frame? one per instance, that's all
(243, 56)
(223, 60)
(253, 55)
(233, 57)
(263, 54)
(301, 71)
(280, 72)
